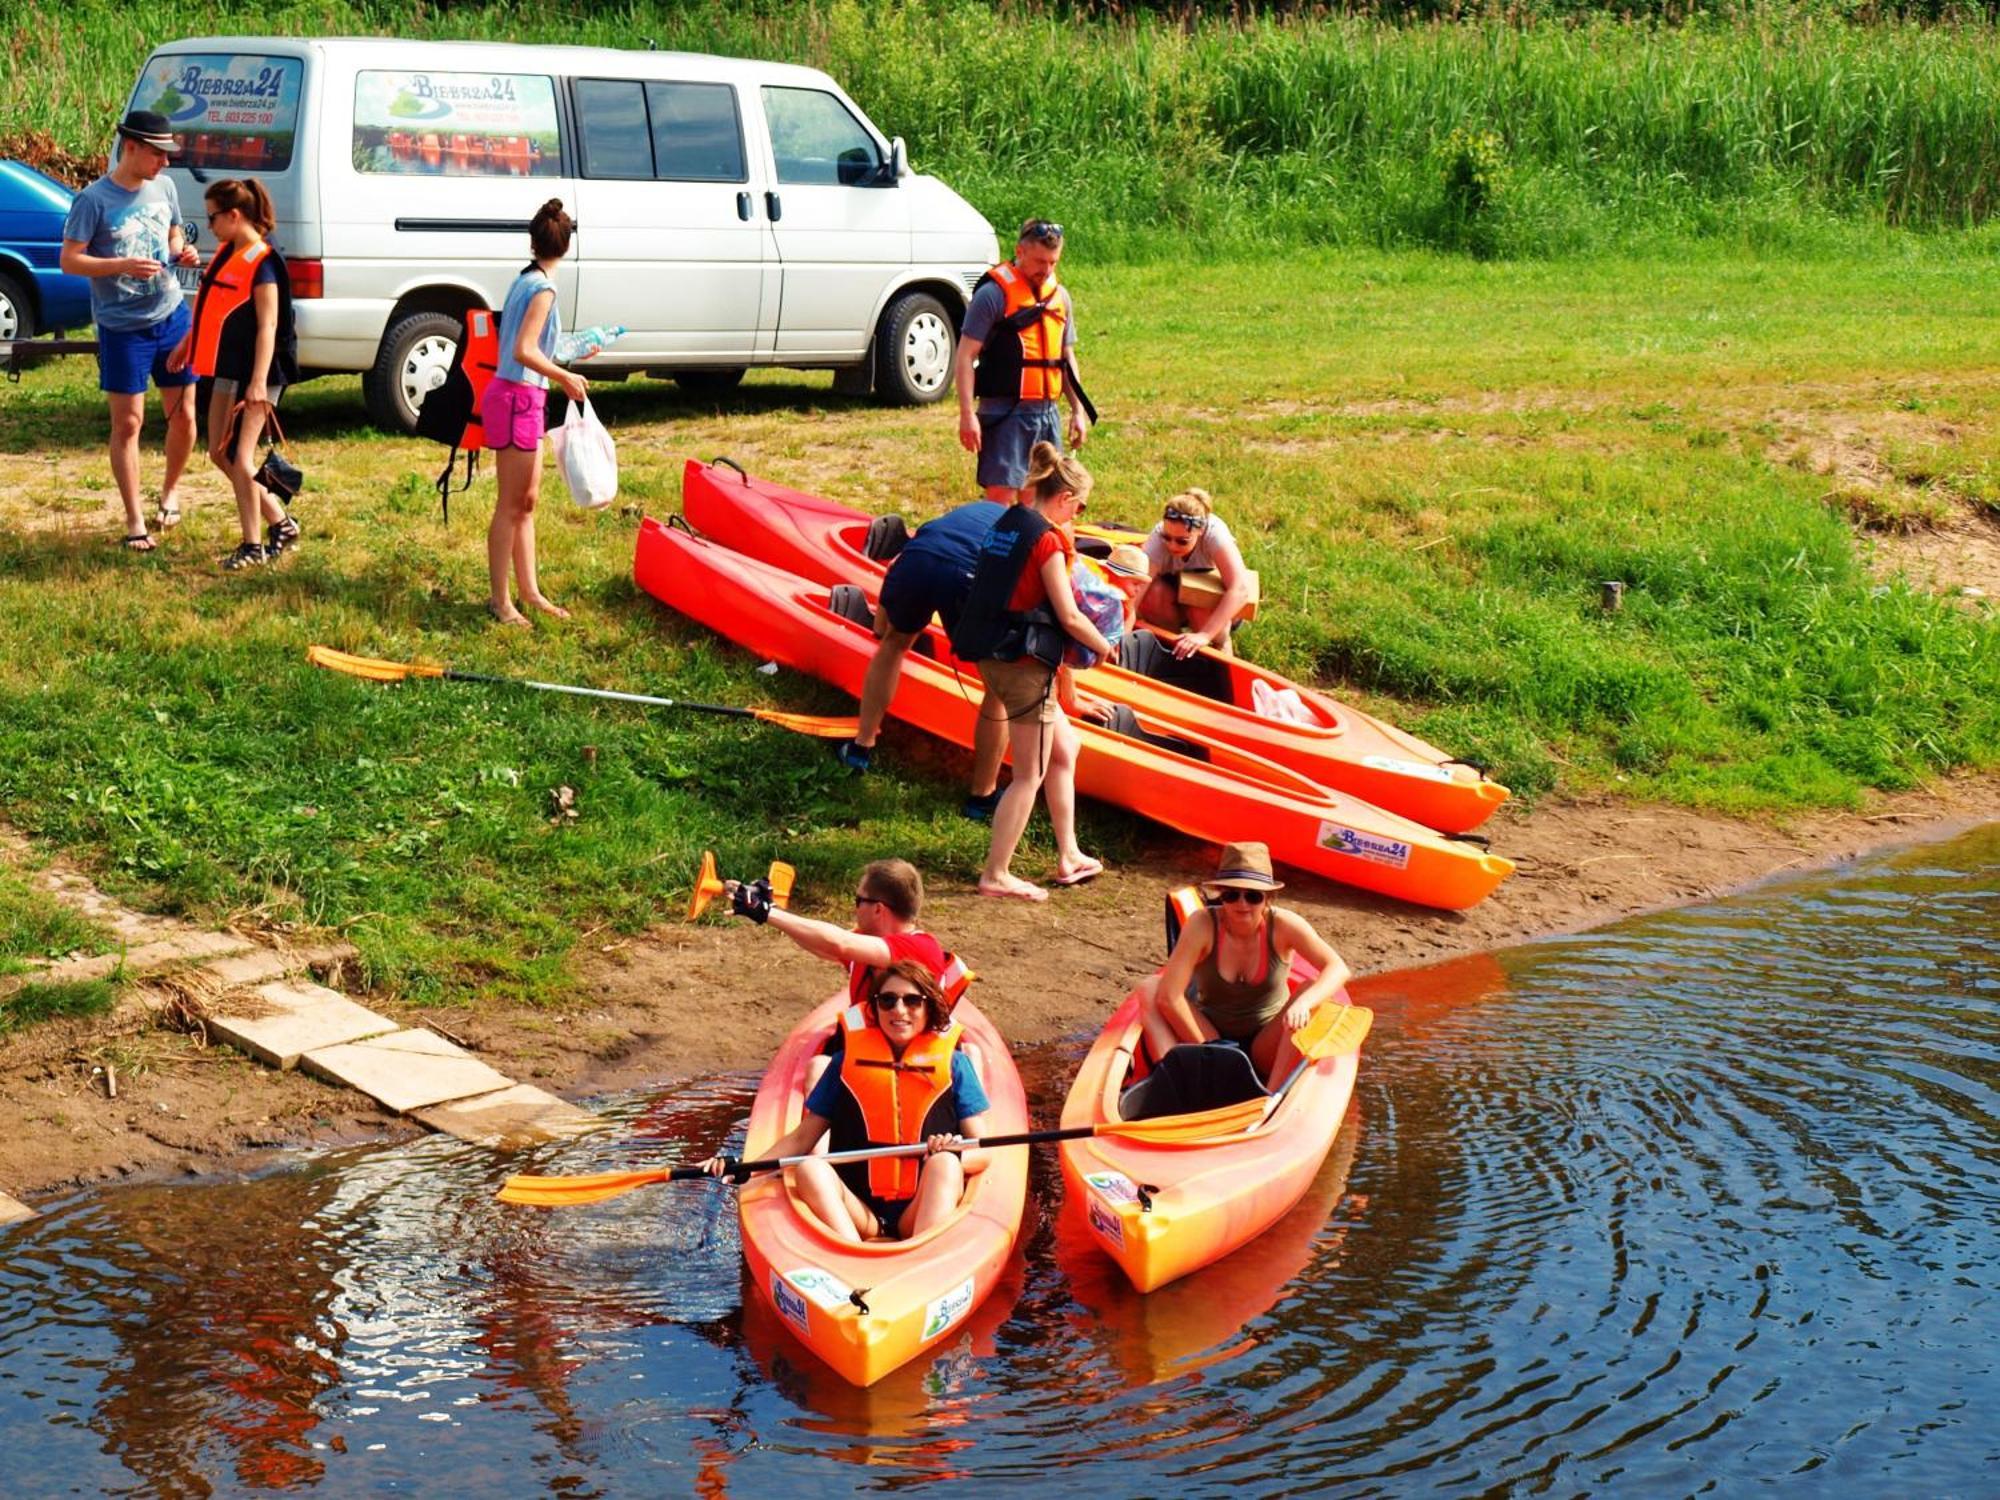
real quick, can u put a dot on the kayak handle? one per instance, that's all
(729, 463)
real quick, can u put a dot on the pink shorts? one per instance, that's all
(512, 414)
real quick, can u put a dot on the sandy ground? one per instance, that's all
(720, 994)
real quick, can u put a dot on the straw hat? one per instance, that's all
(1128, 561)
(1247, 867)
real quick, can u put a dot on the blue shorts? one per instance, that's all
(918, 586)
(126, 356)
(1005, 441)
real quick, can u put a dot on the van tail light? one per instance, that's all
(308, 278)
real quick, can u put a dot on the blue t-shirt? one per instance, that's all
(965, 1096)
(954, 537)
(111, 222)
(527, 286)
(985, 309)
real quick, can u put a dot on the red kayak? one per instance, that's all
(1211, 694)
(1210, 791)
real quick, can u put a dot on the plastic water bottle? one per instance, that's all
(574, 348)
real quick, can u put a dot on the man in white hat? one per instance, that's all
(124, 234)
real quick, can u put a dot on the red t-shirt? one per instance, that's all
(919, 947)
(1028, 591)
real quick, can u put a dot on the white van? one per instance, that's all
(729, 213)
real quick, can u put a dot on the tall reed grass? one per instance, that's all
(1326, 129)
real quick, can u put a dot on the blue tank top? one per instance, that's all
(527, 286)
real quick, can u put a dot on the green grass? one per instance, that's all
(1143, 133)
(1433, 462)
(71, 1000)
(35, 928)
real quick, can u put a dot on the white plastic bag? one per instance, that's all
(1282, 704)
(587, 457)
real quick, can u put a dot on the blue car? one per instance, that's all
(35, 294)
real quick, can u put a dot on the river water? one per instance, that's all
(1698, 1202)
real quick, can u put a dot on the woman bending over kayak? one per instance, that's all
(1020, 614)
(1226, 978)
(902, 1079)
(1190, 538)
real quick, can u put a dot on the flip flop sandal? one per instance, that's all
(1082, 877)
(167, 517)
(140, 543)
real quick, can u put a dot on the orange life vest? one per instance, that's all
(226, 290)
(1182, 904)
(896, 1101)
(450, 414)
(954, 980)
(1022, 355)
(481, 362)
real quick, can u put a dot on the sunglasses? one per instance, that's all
(1192, 522)
(861, 900)
(1042, 231)
(1229, 895)
(892, 999)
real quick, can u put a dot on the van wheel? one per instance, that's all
(17, 313)
(415, 357)
(914, 348)
(709, 385)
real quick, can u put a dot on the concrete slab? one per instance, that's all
(12, 1212)
(406, 1070)
(298, 1018)
(266, 964)
(518, 1116)
(188, 948)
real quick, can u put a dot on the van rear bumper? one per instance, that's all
(341, 333)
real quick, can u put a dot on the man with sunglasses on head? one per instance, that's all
(1020, 333)
(124, 234)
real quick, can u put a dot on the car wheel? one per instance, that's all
(914, 348)
(709, 385)
(17, 312)
(415, 357)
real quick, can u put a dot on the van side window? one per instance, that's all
(696, 134)
(456, 124)
(612, 115)
(817, 140)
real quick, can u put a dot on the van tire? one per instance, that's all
(17, 310)
(415, 356)
(709, 385)
(915, 345)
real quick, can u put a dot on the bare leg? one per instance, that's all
(819, 1187)
(513, 469)
(989, 748)
(235, 461)
(524, 547)
(878, 686)
(1274, 1052)
(1168, 1021)
(1059, 792)
(1010, 818)
(128, 418)
(939, 1187)
(178, 404)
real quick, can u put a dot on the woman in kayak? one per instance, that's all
(1226, 978)
(902, 1079)
(1019, 615)
(1191, 537)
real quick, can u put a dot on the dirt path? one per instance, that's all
(686, 999)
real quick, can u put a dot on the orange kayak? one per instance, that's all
(1211, 694)
(1161, 1210)
(1216, 792)
(867, 1309)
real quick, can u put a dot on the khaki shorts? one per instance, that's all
(1023, 689)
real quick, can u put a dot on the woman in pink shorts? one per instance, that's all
(512, 408)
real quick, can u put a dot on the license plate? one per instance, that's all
(189, 277)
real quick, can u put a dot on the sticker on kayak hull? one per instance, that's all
(791, 1306)
(1369, 846)
(1397, 767)
(1114, 1187)
(1106, 1224)
(825, 1288)
(948, 1309)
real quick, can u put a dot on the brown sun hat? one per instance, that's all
(1246, 867)
(1128, 561)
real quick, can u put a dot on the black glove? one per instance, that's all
(752, 899)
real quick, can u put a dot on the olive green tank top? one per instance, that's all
(1240, 1008)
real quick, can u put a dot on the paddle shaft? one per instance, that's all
(871, 1153)
(584, 692)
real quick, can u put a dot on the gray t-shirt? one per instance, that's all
(112, 222)
(1212, 539)
(988, 303)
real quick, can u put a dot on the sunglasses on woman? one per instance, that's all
(1192, 522)
(891, 999)
(1230, 895)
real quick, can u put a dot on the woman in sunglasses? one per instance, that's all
(903, 1078)
(1227, 976)
(1191, 538)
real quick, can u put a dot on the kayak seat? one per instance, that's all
(1149, 656)
(1093, 546)
(887, 535)
(850, 603)
(1192, 1077)
(1125, 722)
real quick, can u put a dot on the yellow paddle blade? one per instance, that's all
(782, 877)
(816, 725)
(1332, 1030)
(1204, 1125)
(707, 885)
(370, 667)
(562, 1192)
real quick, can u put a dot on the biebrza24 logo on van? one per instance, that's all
(456, 124)
(234, 112)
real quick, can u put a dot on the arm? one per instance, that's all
(798, 1141)
(1075, 623)
(1296, 935)
(822, 939)
(78, 261)
(528, 352)
(1193, 945)
(177, 245)
(264, 297)
(971, 1128)
(1229, 566)
(961, 377)
(1079, 419)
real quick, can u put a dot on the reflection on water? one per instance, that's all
(1696, 1201)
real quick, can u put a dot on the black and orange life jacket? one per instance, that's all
(1023, 355)
(986, 626)
(1182, 904)
(892, 1101)
(450, 414)
(225, 317)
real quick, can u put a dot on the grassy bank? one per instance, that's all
(1768, 125)
(1433, 479)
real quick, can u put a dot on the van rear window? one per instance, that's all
(456, 124)
(233, 112)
